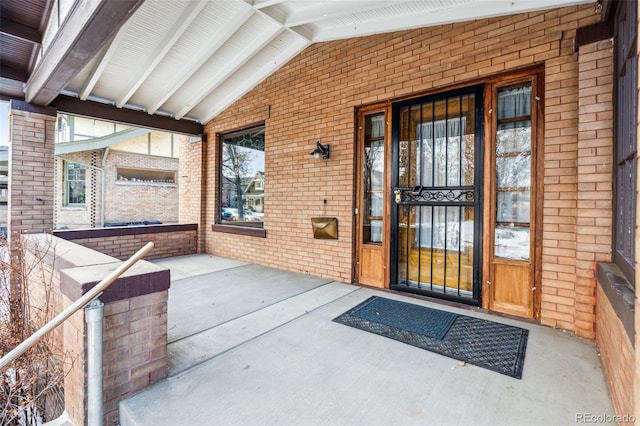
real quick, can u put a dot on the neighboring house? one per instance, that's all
(243, 198)
(108, 175)
(254, 193)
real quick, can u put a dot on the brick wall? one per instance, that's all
(124, 201)
(314, 97)
(31, 140)
(617, 355)
(123, 242)
(595, 178)
(134, 327)
(191, 185)
(72, 216)
(135, 348)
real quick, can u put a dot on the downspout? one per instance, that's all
(103, 200)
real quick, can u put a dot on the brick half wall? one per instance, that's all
(617, 355)
(134, 324)
(123, 242)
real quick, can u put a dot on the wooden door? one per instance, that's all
(371, 200)
(514, 196)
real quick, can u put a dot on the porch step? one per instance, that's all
(188, 357)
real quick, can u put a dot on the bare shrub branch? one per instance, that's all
(31, 387)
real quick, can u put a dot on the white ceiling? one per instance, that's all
(192, 59)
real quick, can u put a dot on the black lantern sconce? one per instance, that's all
(321, 151)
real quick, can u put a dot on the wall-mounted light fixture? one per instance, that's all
(321, 151)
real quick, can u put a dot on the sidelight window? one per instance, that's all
(513, 173)
(373, 182)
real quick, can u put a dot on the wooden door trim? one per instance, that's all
(536, 77)
(358, 187)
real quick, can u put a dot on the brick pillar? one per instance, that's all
(31, 165)
(191, 187)
(595, 179)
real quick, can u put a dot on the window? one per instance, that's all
(75, 187)
(242, 178)
(373, 179)
(513, 173)
(625, 143)
(145, 176)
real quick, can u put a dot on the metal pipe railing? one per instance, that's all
(75, 306)
(93, 316)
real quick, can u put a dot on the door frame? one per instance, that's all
(478, 91)
(358, 216)
(489, 83)
(536, 76)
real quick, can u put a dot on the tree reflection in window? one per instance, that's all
(242, 177)
(373, 178)
(513, 173)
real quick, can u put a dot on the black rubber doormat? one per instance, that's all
(491, 345)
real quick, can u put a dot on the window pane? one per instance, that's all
(76, 184)
(512, 242)
(514, 171)
(625, 143)
(373, 178)
(513, 206)
(242, 178)
(513, 174)
(513, 137)
(514, 102)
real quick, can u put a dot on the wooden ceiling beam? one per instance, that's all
(92, 109)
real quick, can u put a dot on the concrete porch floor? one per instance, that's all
(252, 345)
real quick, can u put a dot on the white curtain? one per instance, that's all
(439, 148)
(514, 102)
(438, 152)
(377, 126)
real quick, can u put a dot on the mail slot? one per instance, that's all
(325, 228)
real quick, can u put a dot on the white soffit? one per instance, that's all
(192, 59)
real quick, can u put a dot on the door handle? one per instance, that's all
(398, 198)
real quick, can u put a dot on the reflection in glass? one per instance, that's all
(513, 137)
(514, 171)
(512, 242)
(513, 174)
(373, 182)
(242, 178)
(513, 206)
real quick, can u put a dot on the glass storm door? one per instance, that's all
(436, 196)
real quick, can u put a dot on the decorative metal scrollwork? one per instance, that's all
(437, 195)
